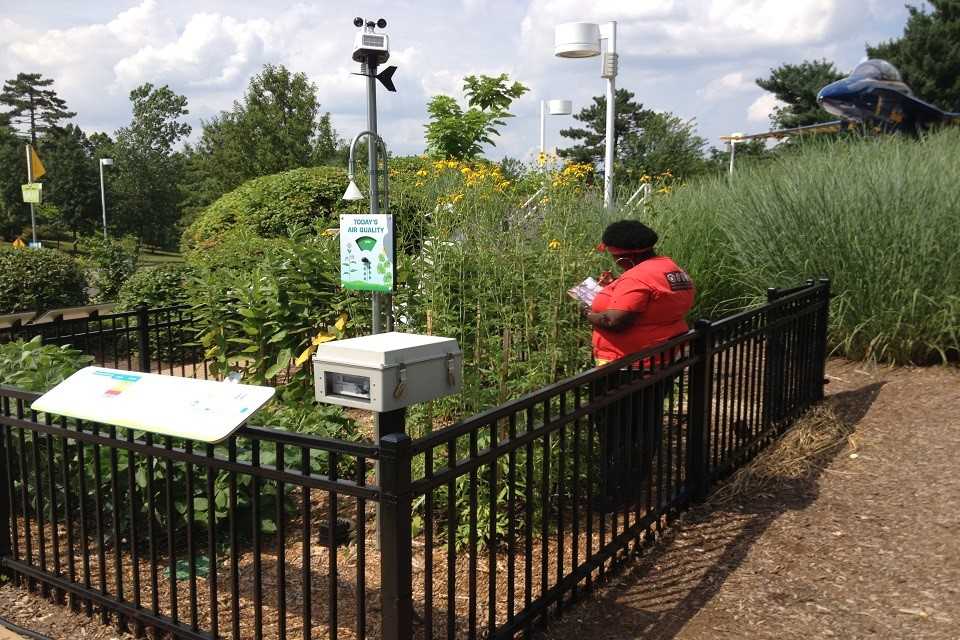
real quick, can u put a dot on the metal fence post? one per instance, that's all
(774, 366)
(395, 537)
(143, 337)
(5, 540)
(822, 329)
(698, 438)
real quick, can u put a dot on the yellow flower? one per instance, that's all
(664, 190)
(329, 233)
(644, 178)
(457, 197)
(465, 170)
(541, 158)
(422, 172)
(341, 322)
(418, 183)
(553, 245)
(318, 339)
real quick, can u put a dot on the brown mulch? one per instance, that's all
(859, 540)
(866, 544)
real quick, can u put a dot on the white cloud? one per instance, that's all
(727, 85)
(696, 58)
(212, 50)
(761, 108)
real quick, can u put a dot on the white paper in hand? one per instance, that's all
(585, 292)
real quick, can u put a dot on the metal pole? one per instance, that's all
(733, 152)
(611, 119)
(376, 304)
(103, 201)
(33, 217)
(543, 127)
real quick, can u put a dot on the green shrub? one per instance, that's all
(270, 206)
(37, 279)
(157, 286)
(35, 366)
(878, 216)
(109, 263)
(260, 301)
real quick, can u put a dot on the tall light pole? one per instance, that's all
(104, 162)
(554, 108)
(734, 139)
(585, 40)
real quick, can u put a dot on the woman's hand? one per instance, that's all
(605, 278)
(611, 320)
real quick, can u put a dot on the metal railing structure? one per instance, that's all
(160, 340)
(487, 527)
(193, 540)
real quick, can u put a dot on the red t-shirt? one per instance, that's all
(659, 292)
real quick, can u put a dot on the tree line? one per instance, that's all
(159, 180)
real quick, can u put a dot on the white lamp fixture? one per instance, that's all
(104, 162)
(577, 40)
(584, 40)
(553, 108)
(352, 193)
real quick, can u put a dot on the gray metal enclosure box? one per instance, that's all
(387, 371)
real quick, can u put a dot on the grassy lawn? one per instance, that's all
(148, 255)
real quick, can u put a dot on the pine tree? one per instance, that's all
(628, 121)
(73, 180)
(35, 108)
(797, 86)
(928, 53)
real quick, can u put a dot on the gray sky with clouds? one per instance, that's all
(696, 58)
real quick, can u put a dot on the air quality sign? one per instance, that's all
(366, 253)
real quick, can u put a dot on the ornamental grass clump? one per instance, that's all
(878, 216)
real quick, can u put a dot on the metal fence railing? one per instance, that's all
(486, 528)
(198, 541)
(160, 340)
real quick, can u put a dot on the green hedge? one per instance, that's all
(157, 286)
(269, 206)
(37, 279)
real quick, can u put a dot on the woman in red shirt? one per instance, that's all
(645, 306)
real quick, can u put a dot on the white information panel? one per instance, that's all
(201, 410)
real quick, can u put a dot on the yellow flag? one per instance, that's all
(35, 165)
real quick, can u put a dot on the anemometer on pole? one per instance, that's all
(371, 49)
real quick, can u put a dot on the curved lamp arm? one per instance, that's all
(351, 164)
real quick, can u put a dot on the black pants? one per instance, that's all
(630, 431)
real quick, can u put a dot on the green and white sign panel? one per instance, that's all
(366, 253)
(32, 192)
(202, 410)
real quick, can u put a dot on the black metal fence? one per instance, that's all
(487, 528)
(161, 340)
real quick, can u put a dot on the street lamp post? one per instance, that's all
(553, 108)
(584, 40)
(734, 139)
(104, 162)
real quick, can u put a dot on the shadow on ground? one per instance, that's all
(656, 595)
